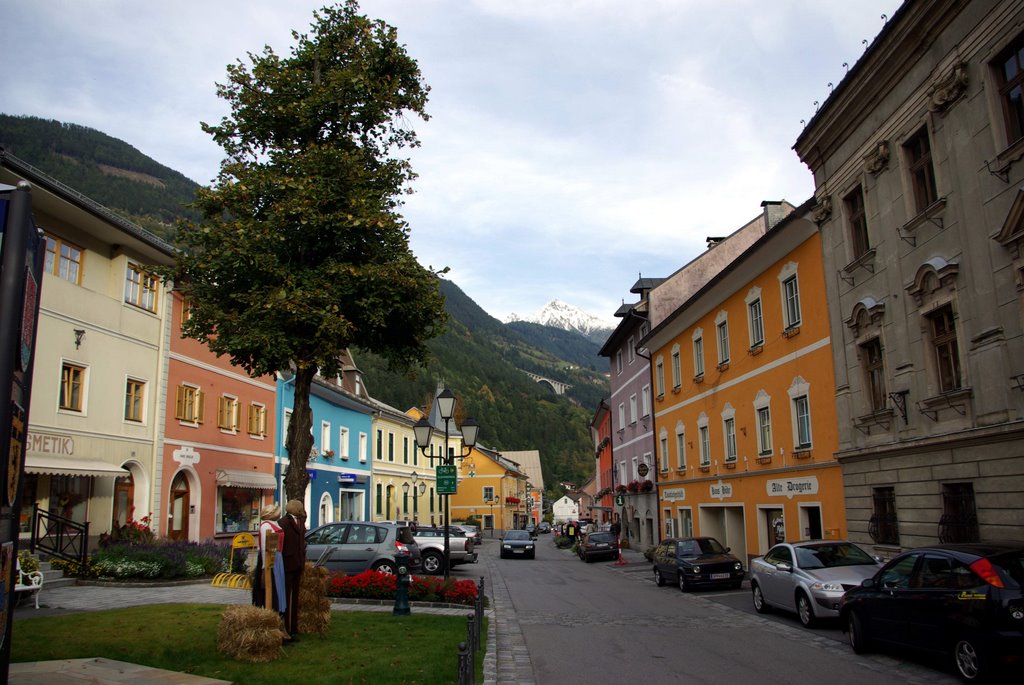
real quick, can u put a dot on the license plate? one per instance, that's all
(602, 545)
(518, 551)
(719, 576)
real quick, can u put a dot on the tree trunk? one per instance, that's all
(299, 441)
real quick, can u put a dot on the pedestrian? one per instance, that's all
(570, 531)
(269, 532)
(616, 528)
(294, 552)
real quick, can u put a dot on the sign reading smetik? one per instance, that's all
(788, 487)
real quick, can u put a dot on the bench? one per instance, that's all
(29, 582)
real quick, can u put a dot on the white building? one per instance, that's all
(565, 509)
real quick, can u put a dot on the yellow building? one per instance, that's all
(493, 489)
(745, 421)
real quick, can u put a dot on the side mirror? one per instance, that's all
(868, 583)
(783, 566)
(728, 549)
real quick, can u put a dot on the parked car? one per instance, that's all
(599, 545)
(544, 527)
(531, 528)
(356, 546)
(690, 562)
(473, 532)
(961, 600)
(808, 578)
(517, 543)
(431, 543)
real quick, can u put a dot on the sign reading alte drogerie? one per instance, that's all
(447, 479)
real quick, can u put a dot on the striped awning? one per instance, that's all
(237, 478)
(71, 466)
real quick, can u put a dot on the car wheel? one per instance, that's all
(659, 579)
(760, 606)
(970, 664)
(859, 641)
(432, 563)
(385, 567)
(684, 584)
(804, 610)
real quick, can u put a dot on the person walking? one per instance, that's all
(269, 533)
(293, 523)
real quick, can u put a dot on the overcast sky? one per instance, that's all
(573, 144)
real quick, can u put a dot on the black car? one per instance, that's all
(517, 543)
(961, 600)
(696, 561)
(598, 545)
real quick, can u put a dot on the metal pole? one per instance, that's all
(448, 461)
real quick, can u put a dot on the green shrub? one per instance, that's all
(563, 541)
(29, 563)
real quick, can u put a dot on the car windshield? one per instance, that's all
(600, 537)
(831, 555)
(710, 546)
(517, 535)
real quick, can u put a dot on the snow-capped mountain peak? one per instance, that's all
(565, 316)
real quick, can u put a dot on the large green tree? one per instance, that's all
(300, 251)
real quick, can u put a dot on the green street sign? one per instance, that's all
(620, 500)
(447, 479)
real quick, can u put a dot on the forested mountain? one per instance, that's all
(479, 358)
(103, 169)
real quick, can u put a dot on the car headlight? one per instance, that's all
(507, 546)
(529, 547)
(737, 566)
(696, 569)
(827, 587)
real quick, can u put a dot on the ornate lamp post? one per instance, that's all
(423, 430)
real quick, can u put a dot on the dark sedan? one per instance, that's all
(596, 546)
(961, 600)
(690, 562)
(517, 543)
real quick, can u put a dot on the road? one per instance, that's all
(603, 623)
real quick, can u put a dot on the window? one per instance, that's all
(631, 350)
(622, 416)
(959, 522)
(645, 401)
(659, 376)
(405, 449)
(705, 446)
(802, 418)
(343, 450)
(636, 468)
(680, 447)
(488, 493)
(722, 331)
(133, 399)
(380, 445)
(685, 523)
(618, 361)
(729, 425)
(622, 473)
(946, 349)
(922, 173)
(63, 260)
(882, 526)
(325, 437)
(677, 374)
(227, 413)
(874, 376)
(791, 292)
(140, 288)
(238, 510)
(284, 427)
(391, 446)
(756, 322)
(1010, 76)
(857, 220)
(188, 404)
(663, 449)
(72, 387)
(256, 426)
(632, 409)
(698, 354)
(764, 431)
(362, 447)
(380, 499)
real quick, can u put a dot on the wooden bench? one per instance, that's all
(29, 582)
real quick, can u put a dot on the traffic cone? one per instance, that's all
(621, 561)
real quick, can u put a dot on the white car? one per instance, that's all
(809, 578)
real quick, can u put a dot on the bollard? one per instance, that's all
(402, 581)
(467, 667)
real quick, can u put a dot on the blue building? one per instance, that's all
(339, 465)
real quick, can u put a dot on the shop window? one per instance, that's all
(239, 510)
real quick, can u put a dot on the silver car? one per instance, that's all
(356, 546)
(808, 578)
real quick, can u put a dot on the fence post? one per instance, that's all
(467, 669)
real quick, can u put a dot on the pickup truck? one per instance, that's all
(431, 544)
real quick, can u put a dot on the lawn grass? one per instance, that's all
(359, 647)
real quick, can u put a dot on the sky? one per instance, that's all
(573, 145)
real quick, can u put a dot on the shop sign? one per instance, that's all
(721, 490)
(788, 487)
(186, 456)
(42, 443)
(674, 495)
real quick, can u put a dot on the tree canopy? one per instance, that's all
(301, 251)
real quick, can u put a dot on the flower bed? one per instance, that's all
(373, 585)
(160, 559)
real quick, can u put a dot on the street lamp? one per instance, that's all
(423, 430)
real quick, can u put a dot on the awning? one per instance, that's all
(236, 478)
(71, 466)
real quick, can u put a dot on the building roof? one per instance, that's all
(529, 463)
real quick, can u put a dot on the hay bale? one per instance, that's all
(314, 607)
(248, 633)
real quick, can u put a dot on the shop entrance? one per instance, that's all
(178, 529)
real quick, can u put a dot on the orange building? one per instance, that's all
(745, 420)
(218, 455)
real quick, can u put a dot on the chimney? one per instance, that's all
(774, 212)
